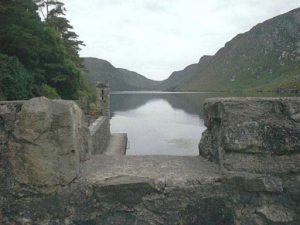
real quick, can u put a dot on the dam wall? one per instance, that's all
(49, 175)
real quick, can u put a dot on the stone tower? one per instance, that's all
(103, 98)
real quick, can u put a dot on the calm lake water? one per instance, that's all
(160, 123)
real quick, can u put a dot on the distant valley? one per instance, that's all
(266, 58)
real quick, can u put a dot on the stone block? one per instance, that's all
(51, 138)
(262, 163)
(263, 184)
(241, 131)
(277, 214)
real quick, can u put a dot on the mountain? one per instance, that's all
(119, 79)
(178, 77)
(265, 58)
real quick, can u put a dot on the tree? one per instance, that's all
(40, 56)
(53, 12)
(38, 47)
(48, 8)
(15, 80)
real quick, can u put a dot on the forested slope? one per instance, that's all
(119, 79)
(39, 52)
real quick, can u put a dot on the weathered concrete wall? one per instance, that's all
(100, 133)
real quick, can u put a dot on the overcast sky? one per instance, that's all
(157, 37)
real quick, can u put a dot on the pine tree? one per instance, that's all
(53, 12)
(38, 57)
(50, 7)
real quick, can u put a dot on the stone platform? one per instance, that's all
(157, 170)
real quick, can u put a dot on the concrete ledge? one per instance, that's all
(117, 145)
(172, 171)
(262, 163)
(94, 127)
(100, 134)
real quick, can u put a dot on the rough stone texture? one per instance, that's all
(165, 169)
(163, 190)
(253, 126)
(158, 190)
(8, 111)
(261, 163)
(277, 213)
(100, 133)
(132, 190)
(256, 141)
(50, 140)
(263, 184)
(103, 98)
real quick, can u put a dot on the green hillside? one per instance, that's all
(119, 79)
(265, 58)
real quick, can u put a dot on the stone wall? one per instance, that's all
(100, 134)
(8, 112)
(41, 183)
(259, 135)
(103, 99)
(256, 143)
(43, 142)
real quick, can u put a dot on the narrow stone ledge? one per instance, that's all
(164, 170)
(262, 163)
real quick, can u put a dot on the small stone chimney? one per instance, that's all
(103, 98)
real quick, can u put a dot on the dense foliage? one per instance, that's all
(15, 80)
(38, 56)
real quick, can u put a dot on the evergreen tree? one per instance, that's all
(43, 54)
(53, 12)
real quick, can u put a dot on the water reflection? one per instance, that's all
(190, 103)
(161, 123)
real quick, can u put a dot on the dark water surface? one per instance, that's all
(161, 123)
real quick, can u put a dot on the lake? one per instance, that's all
(161, 123)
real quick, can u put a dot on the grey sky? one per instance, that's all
(157, 37)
